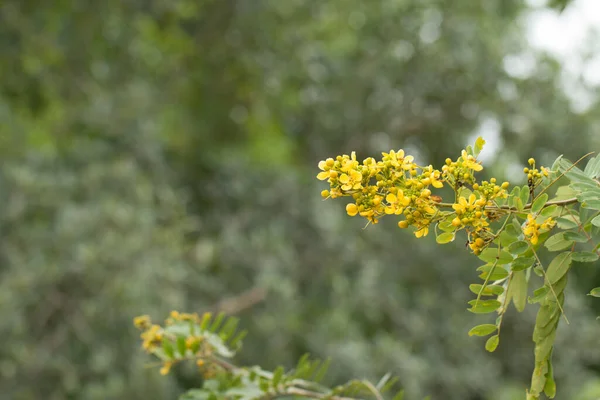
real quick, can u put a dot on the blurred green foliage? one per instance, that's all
(161, 154)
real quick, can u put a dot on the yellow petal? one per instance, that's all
(391, 198)
(323, 175)
(344, 178)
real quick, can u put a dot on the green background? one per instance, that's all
(161, 154)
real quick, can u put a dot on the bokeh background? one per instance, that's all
(161, 154)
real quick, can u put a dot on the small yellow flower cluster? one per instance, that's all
(460, 172)
(532, 228)
(153, 335)
(489, 190)
(394, 185)
(534, 175)
(470, 211)
(176, 316)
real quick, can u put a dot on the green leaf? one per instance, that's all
(596, 221)
(593, 204)
(595, 292)
(550, 211)
(576, 237)
(181, 347)
(479, 142)
(518, 290)
(568, 222)
(558, 242)
(445, 237)
(205, 321)
(518, 247)
(492, 343)
(524, 195)
(513, 229)
(544, 347)
(558, 267)
(592, 169)
(550, 386)
(539, 294)
(521, 263)
(489, 290)
(514, 195)
(483, 330)
(484, 306)
(167, 347)
(492, 273)
(217, 322)
(491, 254)
(584, 256)
(539, 203)
(564, 193)
(277, 375)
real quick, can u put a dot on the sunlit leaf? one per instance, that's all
(445, 237)
(492, 343)
(483, 330)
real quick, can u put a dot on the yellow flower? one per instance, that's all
(470, 162)
(531, 229)
(166, 367)
(142, 322)
(351, 181)
(397, 203)
(352, 209)
(422, 232)
(324, 167)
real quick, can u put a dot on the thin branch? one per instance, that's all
(565, 202)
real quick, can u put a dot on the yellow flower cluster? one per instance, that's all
(461, 171)
(532, 228)
(153, 335)
(394, 185)
(534, 175)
